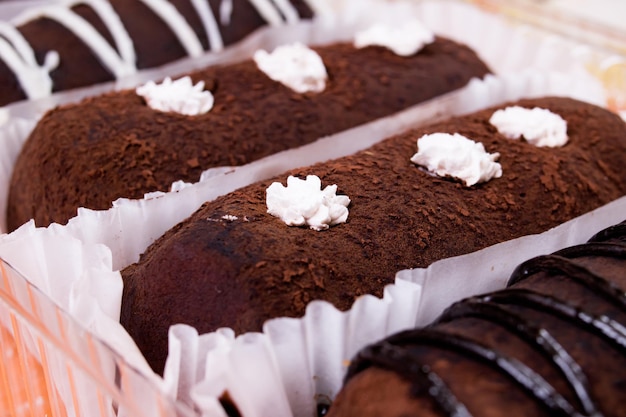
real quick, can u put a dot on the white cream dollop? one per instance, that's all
(295, 65)
(540, 127)
(179, 96)
(457, 156)
(303, 202)
(404, 38)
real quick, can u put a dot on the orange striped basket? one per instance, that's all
(53, 367)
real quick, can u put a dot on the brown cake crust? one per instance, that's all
(209, 272)
(581, 290)
(154, 42)
(115, 146)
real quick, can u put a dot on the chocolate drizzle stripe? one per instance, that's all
(594, 249)
(537, 337)
(617, 231)
(398, 352)
(613, 332)
(522, 375)
(557, 265)
(423, 380)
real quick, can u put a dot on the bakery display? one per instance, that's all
(115, 145)
(552, 343)
(234, 264)
(56, 47)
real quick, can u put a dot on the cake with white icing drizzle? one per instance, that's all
(123, 144)
(77, 43)
(552, 343)
(264, 251)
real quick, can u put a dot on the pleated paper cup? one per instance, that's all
(77, 279)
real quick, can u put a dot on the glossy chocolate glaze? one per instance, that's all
(503, 311)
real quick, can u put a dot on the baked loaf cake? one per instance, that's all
(115, 145)
(552, 343)
(59, 47)
(231, 264)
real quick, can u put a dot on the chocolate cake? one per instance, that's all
(552, 343)
(151, 33)
(231, 264)
(114, 145)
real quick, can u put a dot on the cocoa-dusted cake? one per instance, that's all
(115, 145)
(85, 42)
(552, 343)
(233, 264)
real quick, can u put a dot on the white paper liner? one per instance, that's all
(297, 362)
(80, 279)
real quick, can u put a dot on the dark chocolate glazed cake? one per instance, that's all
(151, 33)
(232, 264)
(111, 146)
(552, 343)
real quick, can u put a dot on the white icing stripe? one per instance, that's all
(177, 23)
(288, 10)
(22, 47)
(114, 24)
(268, 12)
(226, 11)
(35, 80)
(73, 22)
(210, 24)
